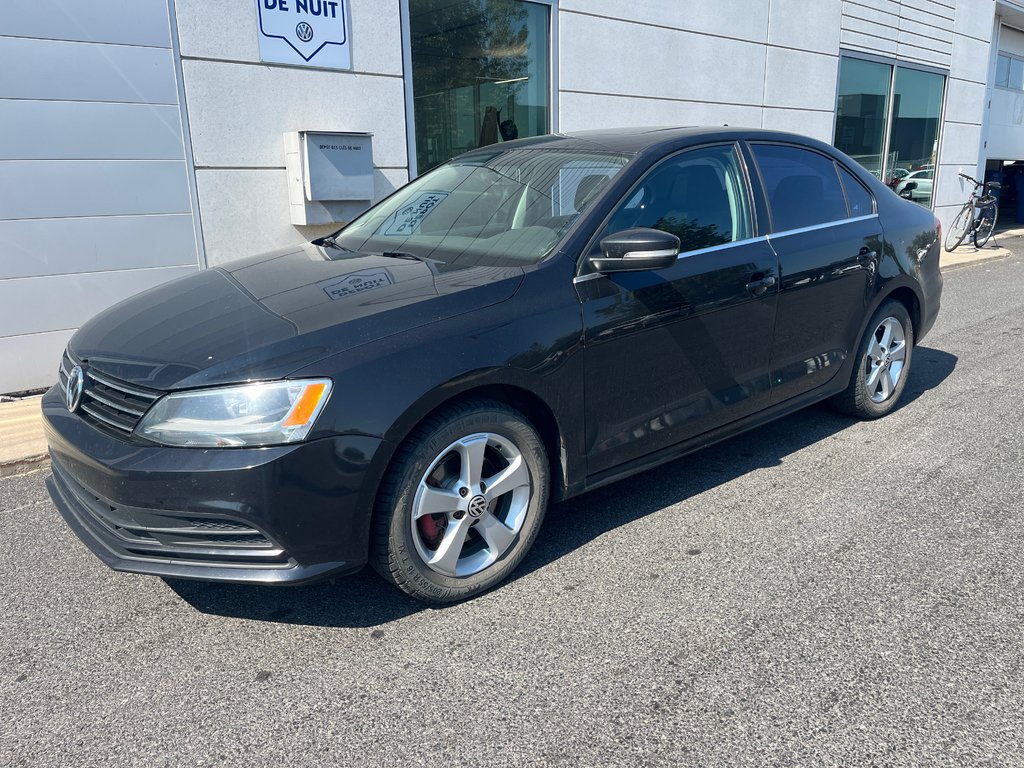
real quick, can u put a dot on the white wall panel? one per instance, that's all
(30, 362)
(37, 247)
(582, 111)
(965, 101)
(245, 212)
(202, 25)
(246, 130)
(975, 19)
(817, 125)
(747, 19)
(657, 62)
(960, 144)
(800, 79)
(66, 301)
(376, 32)
(77, 130)
(53, 69)
(58, 188)
(808, 26)
(1006, 125)
(970, 59)
(130, 22)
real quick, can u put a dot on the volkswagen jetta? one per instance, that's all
(527, 322)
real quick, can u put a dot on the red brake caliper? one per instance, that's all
(432, 528)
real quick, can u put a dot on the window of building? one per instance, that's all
(862, 111)
(803, 188)
(888, 118)
(914, 136)
(698, 196)
(480, 74)
(1010, 72)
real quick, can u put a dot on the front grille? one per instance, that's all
(108, 402)
(167, 535)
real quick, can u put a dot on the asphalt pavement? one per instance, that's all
(817, 592)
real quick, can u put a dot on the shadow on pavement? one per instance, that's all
(365, 600)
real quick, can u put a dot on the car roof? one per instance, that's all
(640, 139)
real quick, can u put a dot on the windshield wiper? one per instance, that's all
(405, 255)
(330, 242)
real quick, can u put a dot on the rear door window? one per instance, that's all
(802, 186)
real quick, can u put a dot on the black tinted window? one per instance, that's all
(857, 197)
(699, 196)
(802, 186)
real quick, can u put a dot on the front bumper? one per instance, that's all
(285, 514)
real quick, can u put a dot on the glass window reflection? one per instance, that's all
(480, 74)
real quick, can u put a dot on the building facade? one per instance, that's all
(141, 142)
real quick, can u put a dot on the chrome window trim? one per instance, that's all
(712, 248)
(827, 224)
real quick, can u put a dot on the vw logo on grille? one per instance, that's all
(73, 389)
(477, 506)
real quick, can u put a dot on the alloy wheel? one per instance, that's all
(471, 504)
(885, 360)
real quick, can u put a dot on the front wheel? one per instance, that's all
(960, 227)
(986, 225)
(882, 364)
(462, 502)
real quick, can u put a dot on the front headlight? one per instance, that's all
(250, 414)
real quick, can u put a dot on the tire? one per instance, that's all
(986, 226)
(960, 227)
(882, 364)
(439, 532)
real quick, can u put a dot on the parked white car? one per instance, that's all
(917, 186)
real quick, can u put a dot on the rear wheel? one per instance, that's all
(462, 503)
(883, 363)
(959, 228)
(986, 225)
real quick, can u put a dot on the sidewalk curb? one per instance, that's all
(24, 466)
(1001, 254)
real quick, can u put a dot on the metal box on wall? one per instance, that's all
(326, 168)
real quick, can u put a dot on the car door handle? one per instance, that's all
(758, 287)
(866, 254)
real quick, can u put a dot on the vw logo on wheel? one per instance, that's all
(477, 506)
(73, 389)
(304, 32)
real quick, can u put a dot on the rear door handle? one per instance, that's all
(758, 287)
(866, 254)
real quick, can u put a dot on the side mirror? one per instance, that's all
(634, 250)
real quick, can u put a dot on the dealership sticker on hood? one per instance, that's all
(357, 282)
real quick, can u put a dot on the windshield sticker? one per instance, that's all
(357, 282)
(407, 219)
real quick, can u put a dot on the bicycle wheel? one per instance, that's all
(960, 227)
(986, 225)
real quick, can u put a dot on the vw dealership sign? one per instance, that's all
(312, 33)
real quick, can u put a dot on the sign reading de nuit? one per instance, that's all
(312, 33)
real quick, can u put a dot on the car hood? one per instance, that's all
(267, 316)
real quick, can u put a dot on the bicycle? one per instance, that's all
(977, 217)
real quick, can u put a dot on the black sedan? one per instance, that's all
(525, 323)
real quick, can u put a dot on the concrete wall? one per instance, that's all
(239, 108)
(1006, 114)
(676, 62)
(95, 194)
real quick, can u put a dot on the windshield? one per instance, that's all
(504, 209)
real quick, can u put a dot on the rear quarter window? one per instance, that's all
(858, 198)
